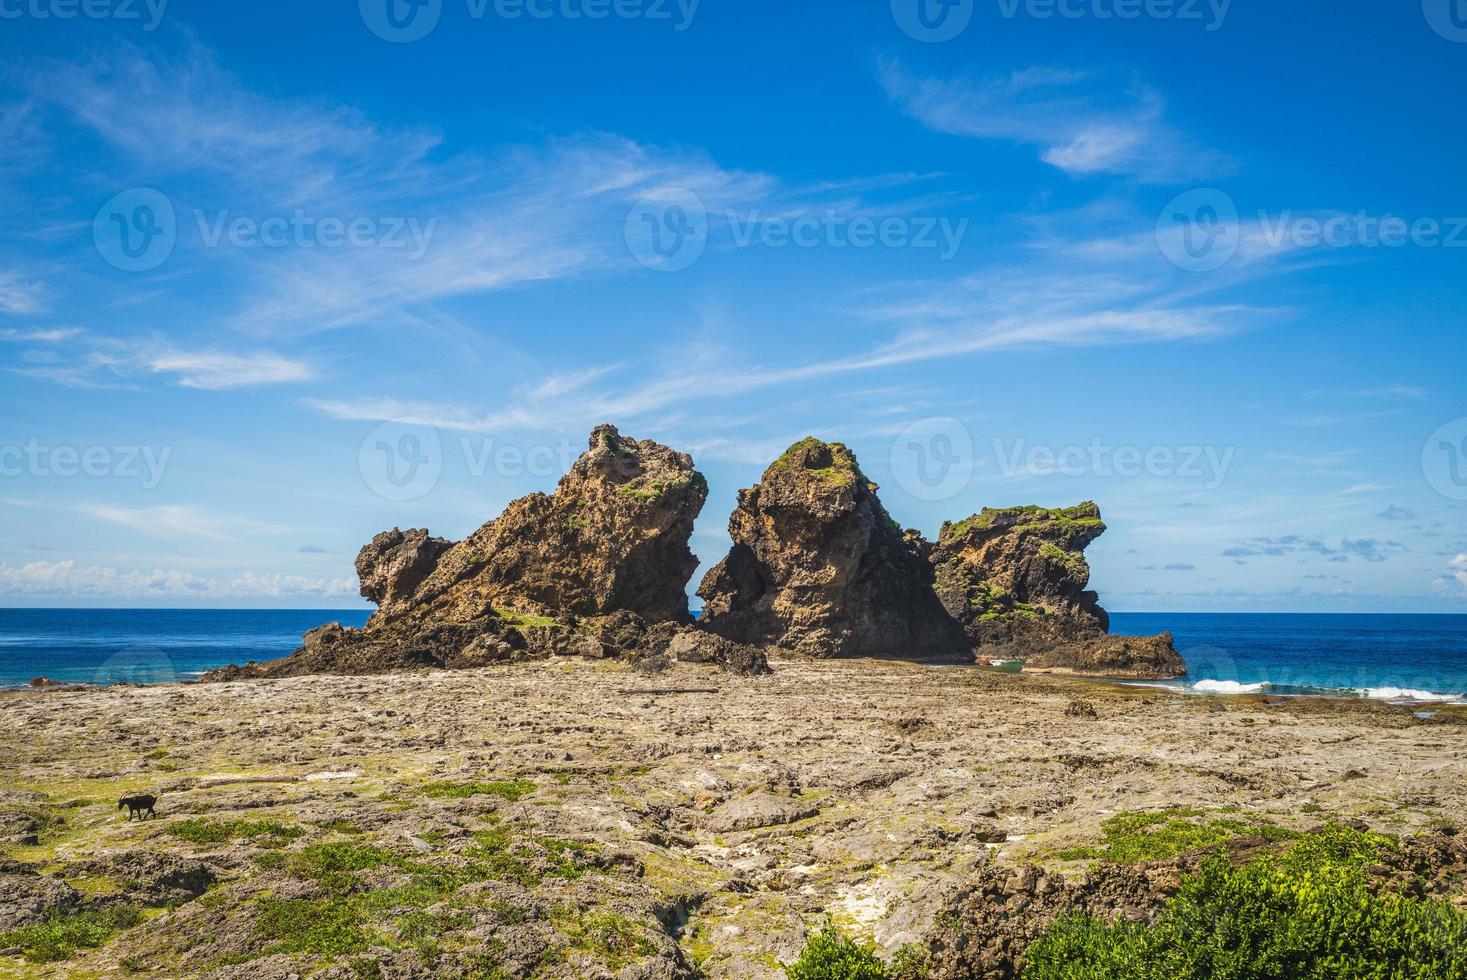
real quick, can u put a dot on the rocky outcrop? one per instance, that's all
(820, 569)
(395, 564)
(1017, 580)
(1148, 658)
(1018, 576)
(589, 571)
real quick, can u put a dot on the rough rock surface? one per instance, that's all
(557, 819)
(819, 568)
(607, 551)
(1120, 657)
(394, 564)
(697, 646)
(1016, 577)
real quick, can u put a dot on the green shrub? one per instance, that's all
(831, 955)
(1309, 914)
(59, 937)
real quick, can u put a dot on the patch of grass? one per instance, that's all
(611, 937)
(62, 936)
(1131, 838)
(513, 618)
(198, 830)
(1309, 914)
(325, 927)
(334, 865)
(507, 789)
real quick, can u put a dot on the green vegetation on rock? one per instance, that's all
(832, 955)
(508, 789)
(200, 830)
(61, 936)
(1131, 838)
(1309, 914)
(326, 927)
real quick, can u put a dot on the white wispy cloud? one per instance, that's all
(1082, 123)
(54, 336)
(21, 295)
(215, 370)
(70, 580)
(177, 521)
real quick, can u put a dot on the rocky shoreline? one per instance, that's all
(581, 818)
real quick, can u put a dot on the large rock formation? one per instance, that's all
(1017, 580)
(1016, 577)
(819, 568)
(591, 570)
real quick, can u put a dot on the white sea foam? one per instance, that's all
(1227, 687)
(1405, 694)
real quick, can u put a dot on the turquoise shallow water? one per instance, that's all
(1383, 656)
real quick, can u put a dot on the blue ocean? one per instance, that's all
(1391, 657)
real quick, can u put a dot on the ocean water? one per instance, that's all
(1402, 658)
(1390, 657)
(147, 646)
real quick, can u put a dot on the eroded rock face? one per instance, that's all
(589, 571)
(1118, 657)
(395, 563)
(819, 568)
(1016, 577)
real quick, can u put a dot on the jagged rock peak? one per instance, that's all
(819, 568)
(395, 563)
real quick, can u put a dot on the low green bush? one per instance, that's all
(1309, 914)
(198, 830)
(62, 935)
(831, 955)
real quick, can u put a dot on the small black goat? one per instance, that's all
(139, 806)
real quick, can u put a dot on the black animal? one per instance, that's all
(139, 806)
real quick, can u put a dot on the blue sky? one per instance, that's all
(274, 277)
